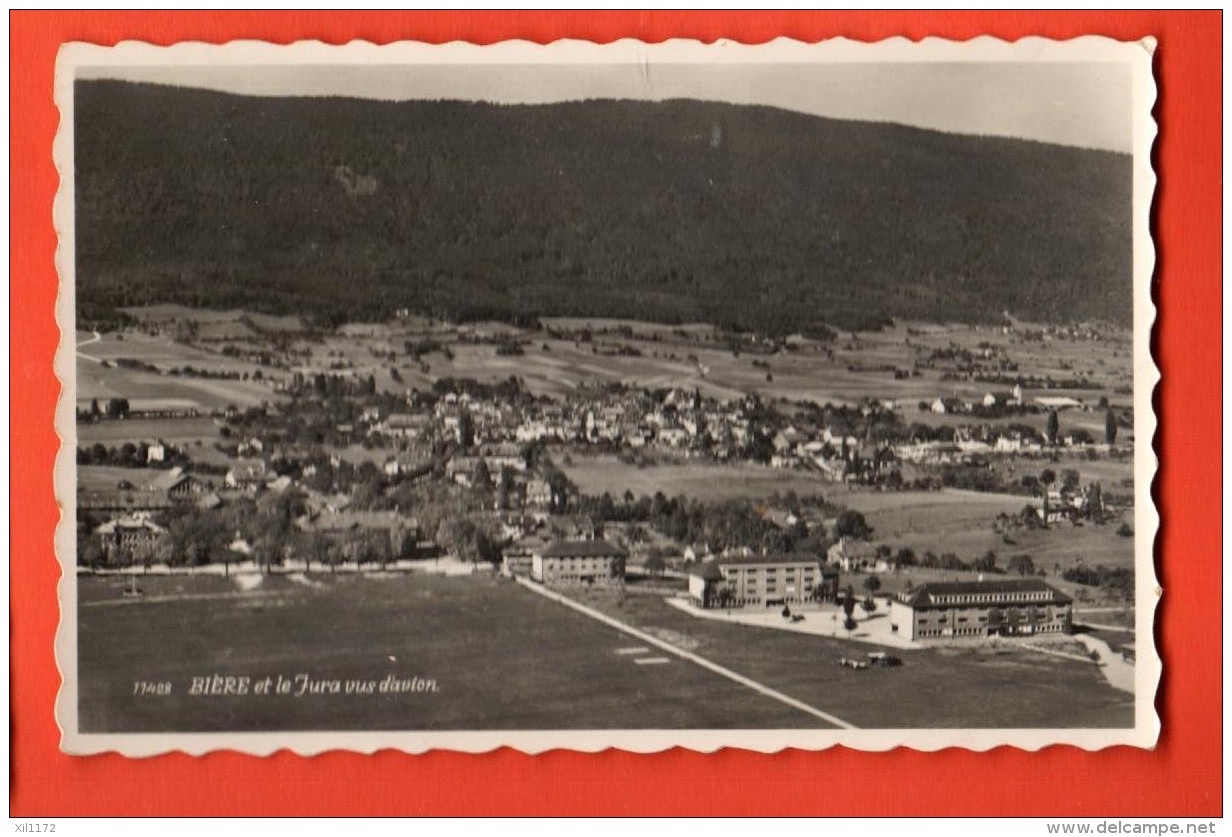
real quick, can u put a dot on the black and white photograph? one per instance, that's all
(585, 396)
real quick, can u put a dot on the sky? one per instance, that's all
(1079, 104)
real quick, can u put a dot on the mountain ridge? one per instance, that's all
(741, 215)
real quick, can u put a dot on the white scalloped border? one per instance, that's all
(983, 49)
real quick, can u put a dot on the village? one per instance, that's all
(758, 501)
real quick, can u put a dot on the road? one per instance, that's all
(97, 337)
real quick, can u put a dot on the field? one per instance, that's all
(503, 658)
(961, 686)
(182, 431)
(700, 480)
(148, 390)
(962, 522)
(105, 477)
(848, 370)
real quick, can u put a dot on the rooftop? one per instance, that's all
(706, 569)
(597, 548)
(1008, 588)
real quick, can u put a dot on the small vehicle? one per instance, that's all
(853, 664)
(881, 658)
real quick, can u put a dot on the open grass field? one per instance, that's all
(148, 389)
(106, 477)
(179, 431)
(958, 686)
(501, 658)
(701, 480)
(196, 436)
(844, 371)
(962, 522)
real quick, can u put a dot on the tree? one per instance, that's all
(92, 554)
(1022, 564)
(872, 584)
(1071, 479)
(1047, 476)
(655, 565)
(851, 524)
(1110, 427)
(1054, 428)
(504, 487)
(849, 608)
(117, 407)
(466, 430)
(482, 477)
(987, 563)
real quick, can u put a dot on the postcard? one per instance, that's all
(586, 396)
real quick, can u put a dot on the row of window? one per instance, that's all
(942, 618)
(971, 598)
(577, 578)
(771, 570)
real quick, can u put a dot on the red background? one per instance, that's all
(1183, 776)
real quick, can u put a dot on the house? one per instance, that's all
(739, 580)
(279, 484)
(209, 501)
(949, 405)
(696, 552)
(849, 555)
(518, 559)
(156, 452)
(407, 425)
(505, 455)
(577, 563)
(130, 532)
(538, 494)
(1004, 398)
(575, 527)
(1005, 607)
(246, 475)
(179, 486)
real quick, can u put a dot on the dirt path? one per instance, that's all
(97, 337)
(1118, 672)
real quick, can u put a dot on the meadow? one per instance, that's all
(149, 390)
(503, 658)
(953, 686)
(962, 522)
(696, 480)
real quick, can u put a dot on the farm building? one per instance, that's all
(1058, 402)
(761, 579)
(572, 563)
(178, 485)
(1007, 607)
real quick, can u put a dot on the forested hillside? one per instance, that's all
(683, 210)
